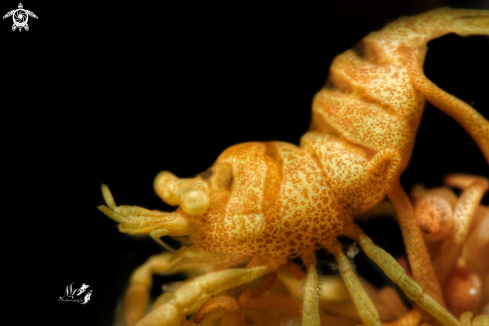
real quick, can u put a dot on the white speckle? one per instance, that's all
(352, 250)
(473, 291)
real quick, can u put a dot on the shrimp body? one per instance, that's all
(373, 101)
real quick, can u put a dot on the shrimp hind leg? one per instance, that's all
(195, 292)
(397, 274)
(190, 258)
(365, 307)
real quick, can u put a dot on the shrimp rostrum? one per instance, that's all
(261, 204)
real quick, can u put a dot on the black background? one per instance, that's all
(116, 92)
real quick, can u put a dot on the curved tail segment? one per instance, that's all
(437, 23)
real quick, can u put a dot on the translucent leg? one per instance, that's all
(310, 311)
(187, 258)
(364, 305)
(137, 295)
(195, 292)
(419, 258)
(397, 274)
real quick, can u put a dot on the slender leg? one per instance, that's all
(364, 305)
(418, 255)
(195, 292)
(137, 295)
(156, 234)
(310, 311)
(397, 274)
(419, 258)
(413, 291)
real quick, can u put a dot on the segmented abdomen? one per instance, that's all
(280, 203)
(367, 104)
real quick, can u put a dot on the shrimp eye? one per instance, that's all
(195, 202)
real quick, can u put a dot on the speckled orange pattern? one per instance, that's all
(280, 204)
(276, 199)
(370, 103)
(273, 201)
